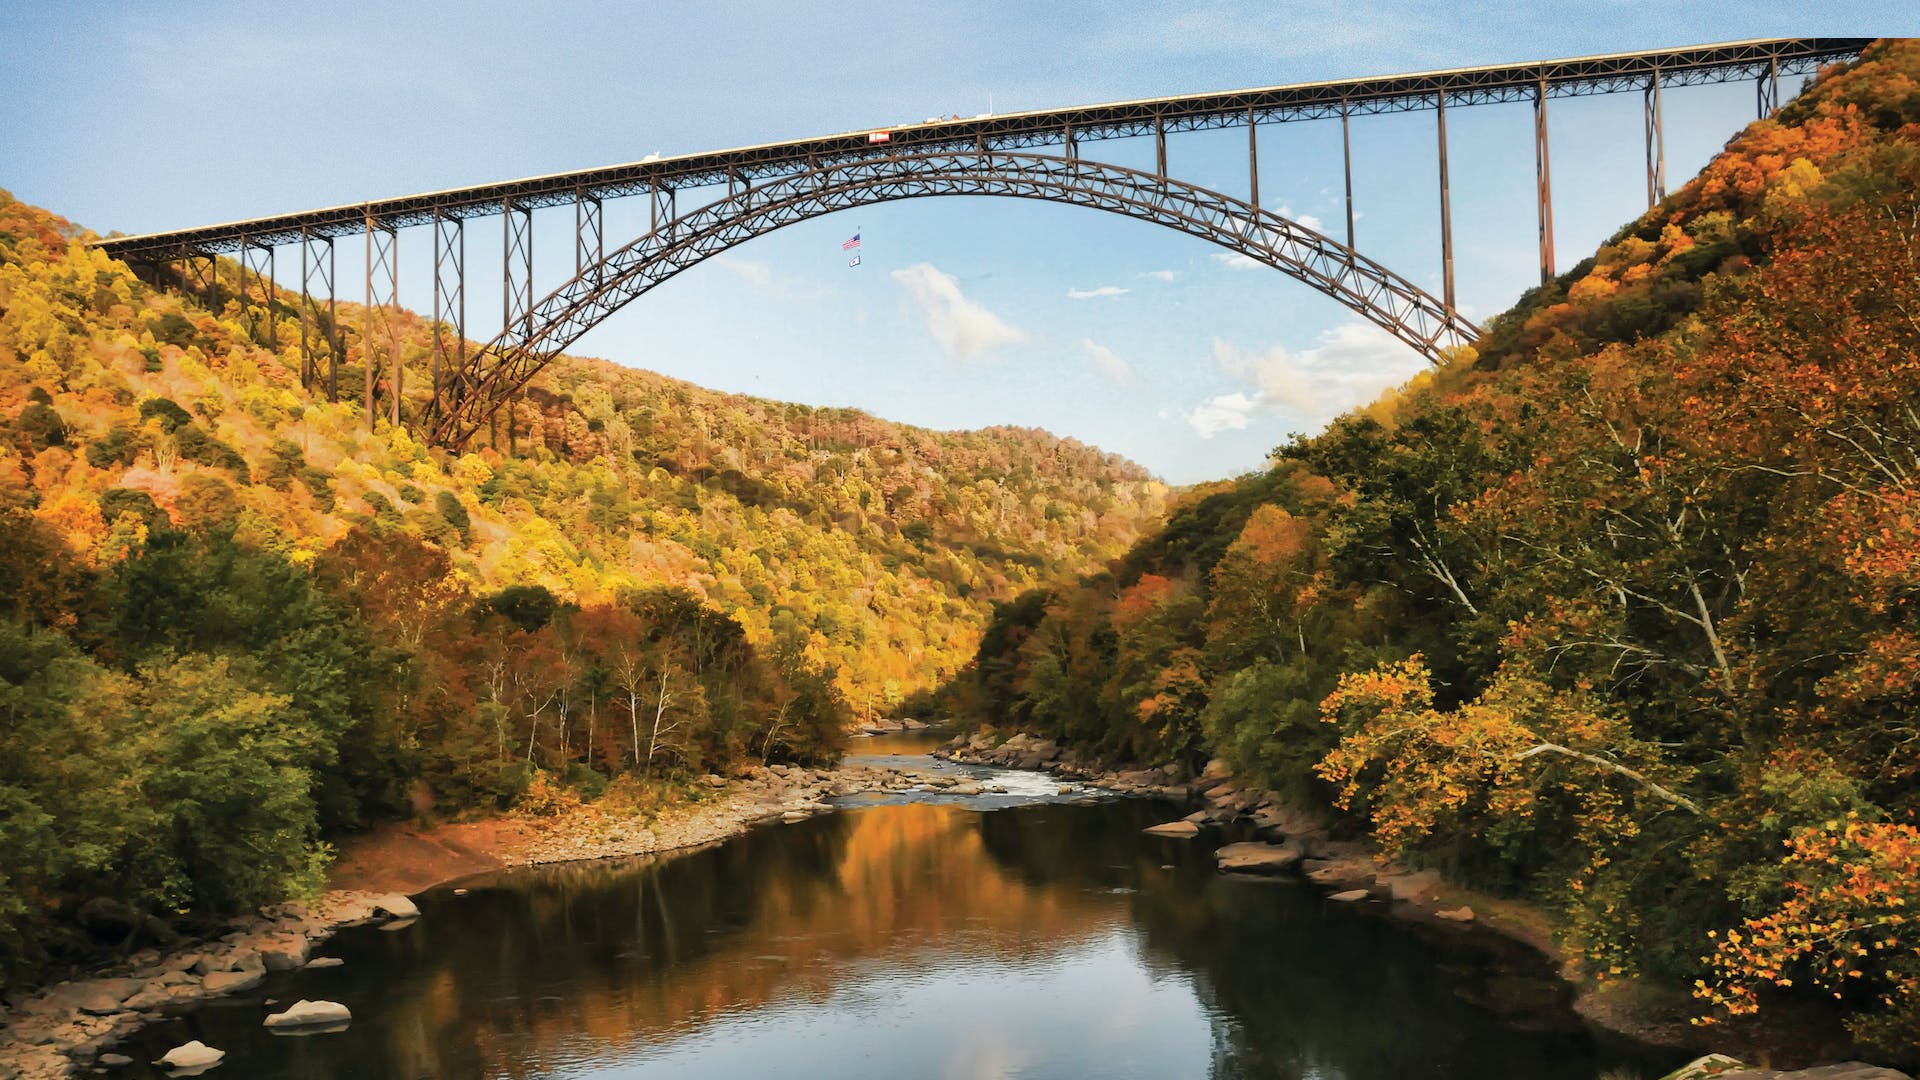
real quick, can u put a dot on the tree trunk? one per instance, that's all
(659, 711)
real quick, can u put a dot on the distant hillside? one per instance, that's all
(1620, 612)
(883, 542)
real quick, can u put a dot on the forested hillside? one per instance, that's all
(1617, 612)
(233, 622)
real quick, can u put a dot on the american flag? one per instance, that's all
(852, 243)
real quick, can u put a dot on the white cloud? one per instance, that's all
(1095, 294)
(1347, 366)
(1311, 221)
(1228, 412)
(1161, 275)
(1275, 374)
(752, 271)
(1108, 363)
(1237, 260)
(962, 328)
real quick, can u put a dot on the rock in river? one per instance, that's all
(1254, 858)
(233, 982)
(396, 905)
(1721, 1066)
(105, 996)
(310, 1014)
(1178, 830)
(193, 1055)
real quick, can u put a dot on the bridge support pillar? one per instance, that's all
(1446, 211)
(316, 267)
(517, 271)
(1160, 148)
(661, 208)
(589, 237)
(383, 295)
(1543, 181)
(256, 260)
(1766, 91)
(449, 308)
(1253, 161)
(203, 269)
(1346, 164)
(1656, 146)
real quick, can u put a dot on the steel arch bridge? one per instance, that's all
(603, 287)
(770, 186)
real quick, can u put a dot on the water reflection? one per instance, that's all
(915, 940)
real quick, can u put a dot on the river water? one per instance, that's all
(1027, 934)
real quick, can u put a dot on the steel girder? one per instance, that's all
(1763, 61)
(256, 261)
(495, 373)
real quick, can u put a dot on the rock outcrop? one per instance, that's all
(1722, 1067)
(308, 1014)
(1258, 858)
(1177, 830)
(192, 1055)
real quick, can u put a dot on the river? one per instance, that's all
(1028, 934)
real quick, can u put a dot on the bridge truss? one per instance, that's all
(772, 185)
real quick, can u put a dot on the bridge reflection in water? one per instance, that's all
(919, 940)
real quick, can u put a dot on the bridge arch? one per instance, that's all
(495, 373)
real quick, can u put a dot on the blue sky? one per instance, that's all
(965, 312)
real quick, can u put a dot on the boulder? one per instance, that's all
(1255, 858)
(114, 1061)
(1459, 914)
(1351, 896)
(103, 997)
(1701, 1068)
(193, 1055)
(1722, 1067)
(1222, 794)
(396, 905)
(284, 954)
(156, 994)
(1177, 830)
(216, 958)
(233, 982)
(309, 1014)
(324, 962)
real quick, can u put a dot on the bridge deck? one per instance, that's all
(1611, 73)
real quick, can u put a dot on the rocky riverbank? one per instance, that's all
(1290, 838)
(72, 1026)
(1341, 861)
